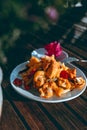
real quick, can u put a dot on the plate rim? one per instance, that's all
(37, 98)
(43, 49)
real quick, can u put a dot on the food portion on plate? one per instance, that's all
(49, 77)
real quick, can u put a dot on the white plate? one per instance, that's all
(35, 96)
(41, 52)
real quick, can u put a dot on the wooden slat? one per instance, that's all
(76, 50)
(35, 116)
(62, 115)
(78, 105)
(9, 119)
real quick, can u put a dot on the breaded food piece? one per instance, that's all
(64, 83)
(53, 85)
(50, 88)
(72, 73)
(46, 61)
(79, 82)
(33, 61)
(63, 66)
(49, 58)
(52, 71)
(60, 91)
(46, 91)
(39, 78)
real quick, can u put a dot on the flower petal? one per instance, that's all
(53, 48)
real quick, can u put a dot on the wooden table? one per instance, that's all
(20, 113)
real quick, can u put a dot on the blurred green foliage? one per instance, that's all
(19, 16)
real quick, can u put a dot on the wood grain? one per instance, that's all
(9, 119)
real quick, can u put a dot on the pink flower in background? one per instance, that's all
(52, 13)
(53, 48)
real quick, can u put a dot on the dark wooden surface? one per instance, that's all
(20, 113)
